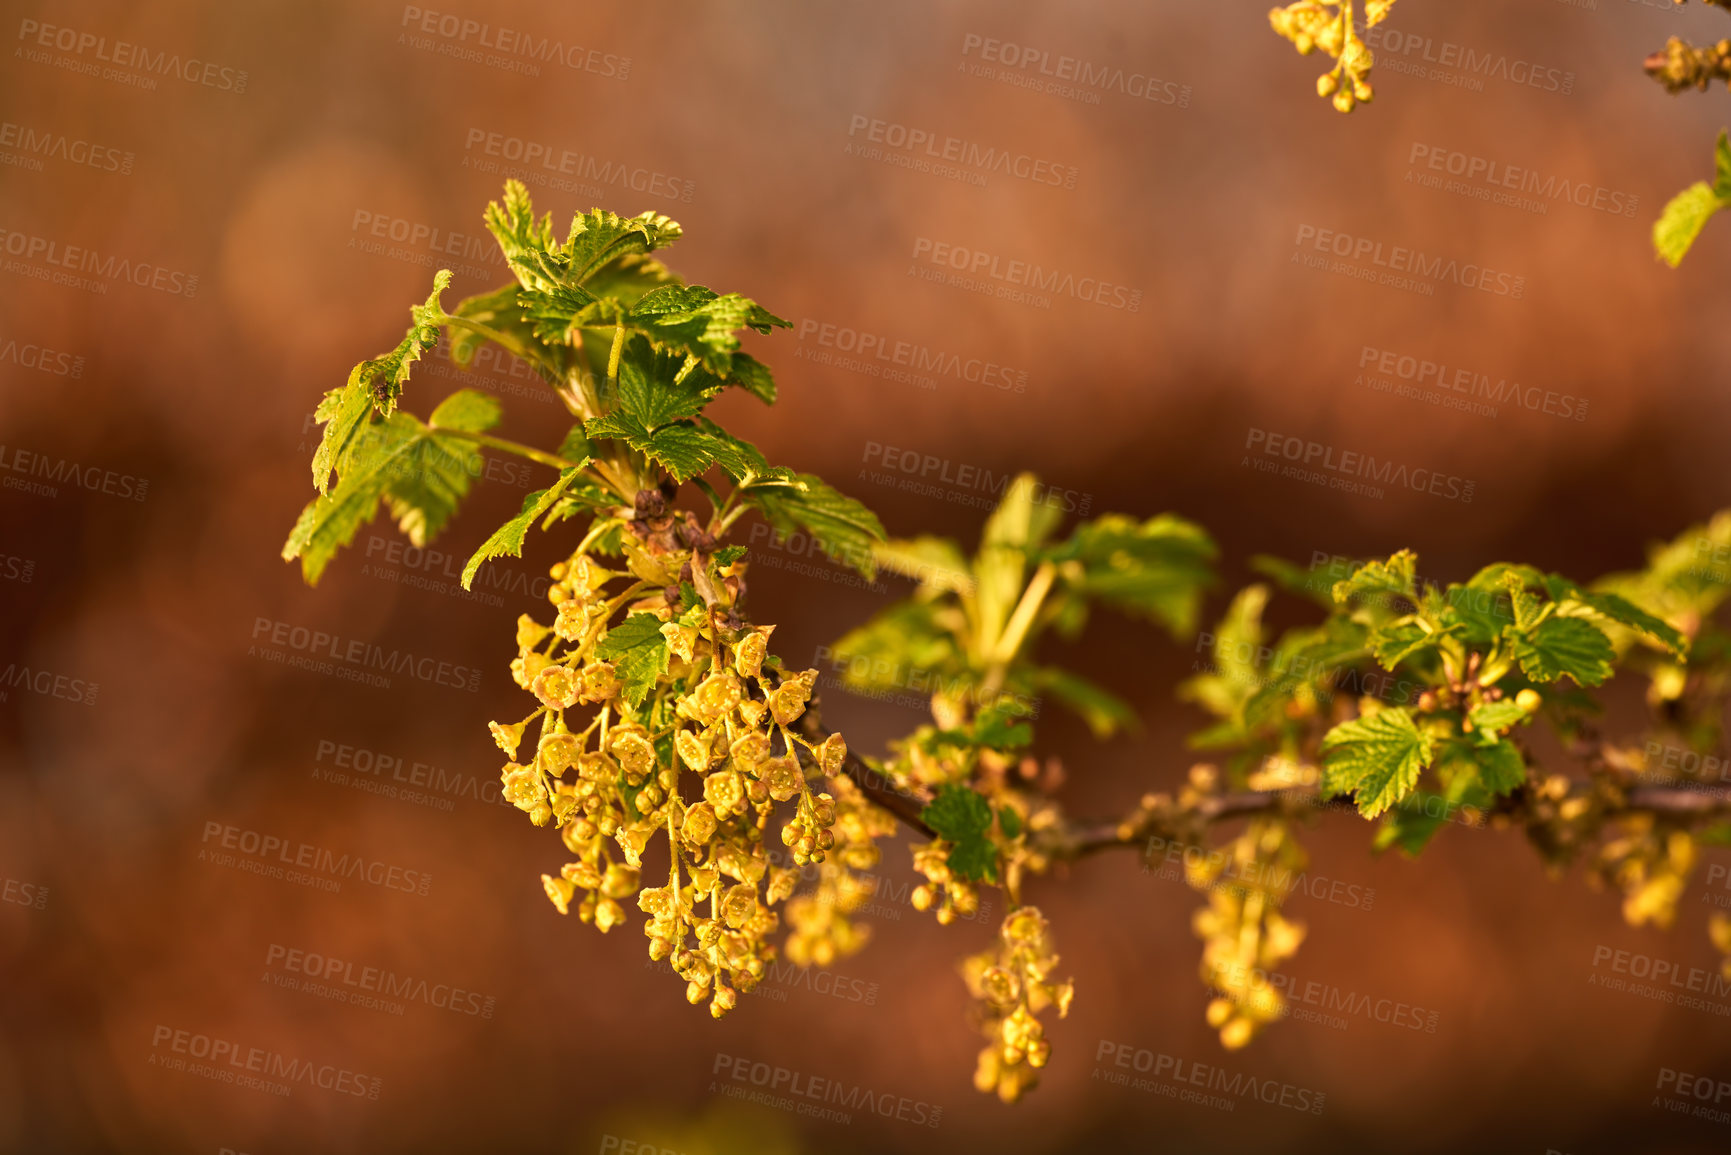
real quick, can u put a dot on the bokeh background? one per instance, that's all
(149, 585)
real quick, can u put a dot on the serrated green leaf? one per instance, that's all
(422, 474)
(1475, 615)
(1529, 611)
(1392, 577)
(1377, 758)
(683, 450)
(1625, 613)
(638, 651)
(654, 391)
(1559, 646)
(960, 816)
(753, 376)
(599, 239)
(744, 462)
(701, 323)
(374, 385)
(728, 554)
(1398, 640)
(344, 413)
(507, 540)
(845, 528)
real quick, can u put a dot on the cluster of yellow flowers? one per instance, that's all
(1328, 25)
(819, 929)
(711, 703)
(955, 897)
(1012, 983)
(1244, 934)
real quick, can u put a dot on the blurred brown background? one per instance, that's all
(168, 718)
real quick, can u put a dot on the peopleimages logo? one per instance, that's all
(1474, 67)
(27, 463)
(927, 144)
(508, 48)
(976, 269)
(359, 983)
(1421, 372)
(1485, 179)
(1069, 76)
(231, 1062)
(275, 852)
(306, 648)
(1338, 468)
(64, 262)
(878, 355)
(1399, 261)
(41, 358)
(125, 58)
(34, 146)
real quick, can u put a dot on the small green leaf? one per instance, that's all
(700, 323)
(638, 652)
(996, 726)
(962, 817)
(1009, 822)
(1377, 757)
(1398, 640)
(507, 540)
(753, 376)
(374, 386)
(423, 476)
(1392, 577)
(1497, 716)
(653, 390)
(1632, 617)
(844, 528)
(1684, 217)
(1559, 646)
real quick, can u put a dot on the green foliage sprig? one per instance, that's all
(660, 716)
